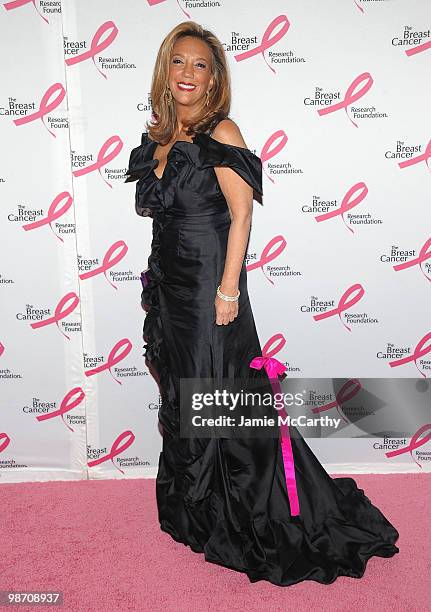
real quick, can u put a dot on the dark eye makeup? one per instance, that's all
(175, 59)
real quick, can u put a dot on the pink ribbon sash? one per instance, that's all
(274, 368)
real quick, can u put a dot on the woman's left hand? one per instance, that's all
(226, 312)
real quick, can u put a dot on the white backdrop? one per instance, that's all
(334, 98)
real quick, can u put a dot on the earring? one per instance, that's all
(208, 98)
(168, 95)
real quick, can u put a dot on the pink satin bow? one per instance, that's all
(275, 368)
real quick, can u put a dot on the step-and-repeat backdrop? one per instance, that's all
(334, 98)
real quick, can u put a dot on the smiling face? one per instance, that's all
(190, 71)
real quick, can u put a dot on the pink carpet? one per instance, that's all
(99, 542)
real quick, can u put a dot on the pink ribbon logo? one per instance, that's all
(424, 254)
(1, 349)
(155, 2)
(268, 40)
(117, 354)
(108, 261)
(415, 442)
(419, 49)
(424, 157)
(4, 441)
(116, 449)
(268, 152)
(18, 3)
(69, 402)
(55, 211)
(350, 95)
(280, 244)
(347, 391)
(348, 203)
(103, 158)
(344, 304)
(274, 369)
(420, 350)
(98, 44)
(61, 312)
(45, 106)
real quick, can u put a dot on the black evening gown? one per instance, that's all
(227, 497)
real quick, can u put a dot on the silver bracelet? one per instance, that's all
(227, 298)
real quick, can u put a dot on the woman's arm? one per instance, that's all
(239, 197)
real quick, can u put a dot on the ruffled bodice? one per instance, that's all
(188, 186)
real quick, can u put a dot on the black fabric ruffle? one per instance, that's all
(212, 153)
(204, 152)
(140, 169)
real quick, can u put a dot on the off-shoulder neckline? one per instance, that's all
(187, 142)
(199, 135)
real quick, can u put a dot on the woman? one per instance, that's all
(225, 497)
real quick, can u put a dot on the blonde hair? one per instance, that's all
(162, 126)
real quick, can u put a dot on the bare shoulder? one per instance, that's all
(228, 132)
